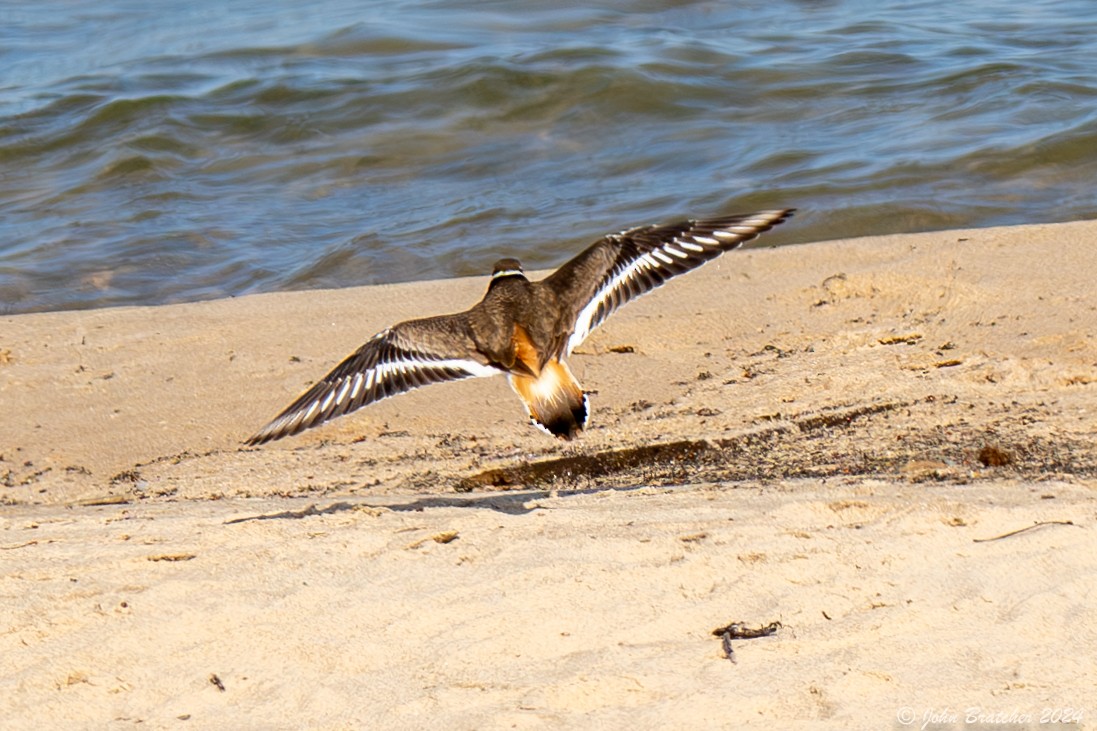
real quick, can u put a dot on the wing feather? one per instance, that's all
(621, 267)
(401, 358)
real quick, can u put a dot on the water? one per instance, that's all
(156, 152)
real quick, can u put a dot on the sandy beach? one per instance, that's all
(840, 437)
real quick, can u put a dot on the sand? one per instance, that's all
(823, 436)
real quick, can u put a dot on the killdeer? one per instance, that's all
(522, 329)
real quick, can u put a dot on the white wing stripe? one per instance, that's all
(657, 258)
(327, 401)
(374, 376)
(343, 391)
(405, 366)
(583, 324)
(472, 367)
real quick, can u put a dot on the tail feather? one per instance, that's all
(554, 399)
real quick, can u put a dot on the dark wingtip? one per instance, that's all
(261, 437)
(274, 431)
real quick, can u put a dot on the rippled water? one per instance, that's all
(160, 151)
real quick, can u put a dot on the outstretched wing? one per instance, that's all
(620, 267)
(403, 357)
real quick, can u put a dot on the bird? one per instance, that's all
(522, 329)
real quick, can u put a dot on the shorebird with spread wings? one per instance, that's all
(522, 329)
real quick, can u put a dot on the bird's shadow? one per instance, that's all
(517, 502)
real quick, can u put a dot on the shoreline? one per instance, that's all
(94, 397)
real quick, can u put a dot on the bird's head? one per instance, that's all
(507, 268)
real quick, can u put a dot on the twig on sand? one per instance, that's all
(19, 545)
(1037, 524)
(739, 631)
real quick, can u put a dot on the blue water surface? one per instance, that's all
(157, 152)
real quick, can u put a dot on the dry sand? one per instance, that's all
(820, 436)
